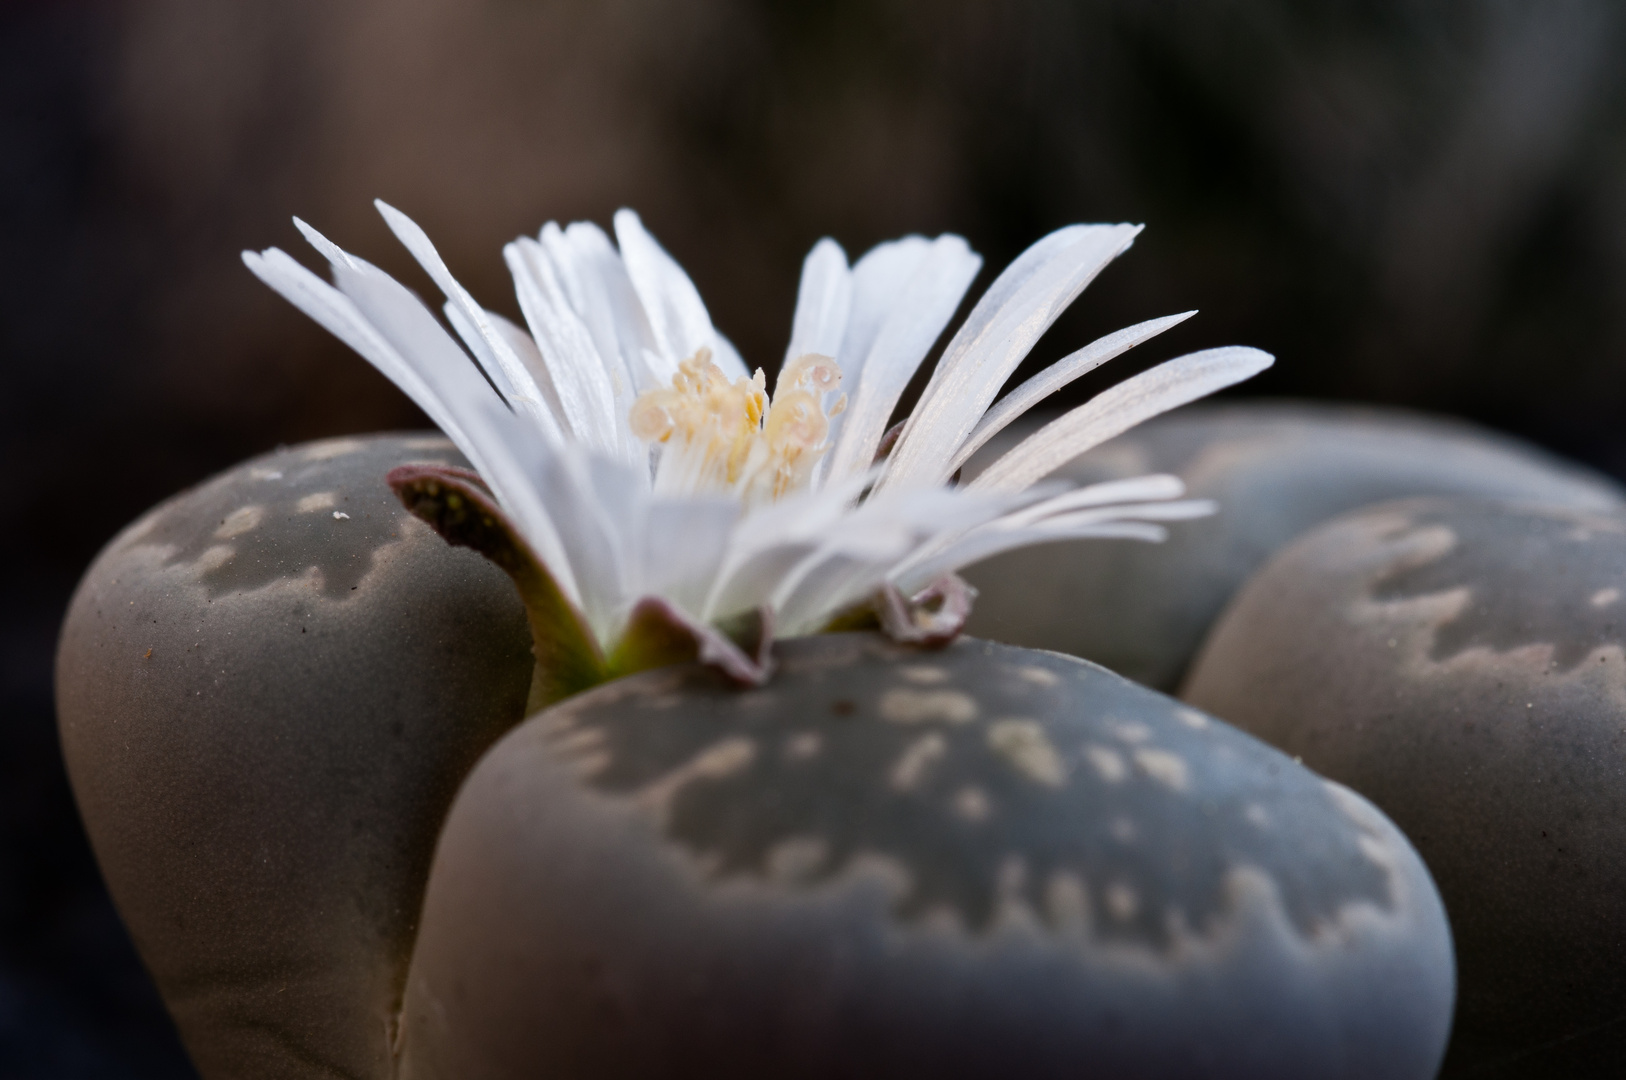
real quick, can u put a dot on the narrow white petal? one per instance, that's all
(497, 442)
(1053, 378)
(338, 315)
(1179, 510)
(769, 543)
(671, 302)
(1116, 410)
(330, 251)
(563, 257)
(878, 279)
(612, 310)
(480, 349)
(524, 347)
(823, 302)
(515, 382)
(597, 504)
(583, 385)
(547, 418)
(745, 583)
(510, 458)
(835, 584)
(1132, 490)
(873, 539)
(985, 543)
(683, 545)
(917, 318)
(988, 348)
(1005, 286)
(584, 293)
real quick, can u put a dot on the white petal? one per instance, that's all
(987, 349)
(515, 382)
(878, 279)
(330, 251)
(835, 584)
(1181, 510)
(683, 544)
(338, 315)
(770, 542)
(823, 302)
(548, 419)
(589, 498)
(612, 310)
(986, 543)
(1118, 409)
(882, 533)
(584, 293)
(1005, 286)
(497, 442)
(524, 347)
(671, 302)
(916, 319)
(1133, 489)
(1053, 378)
(585, 393)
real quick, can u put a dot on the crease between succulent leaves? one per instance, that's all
(458, 505)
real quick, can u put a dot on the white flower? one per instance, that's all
(629, 447)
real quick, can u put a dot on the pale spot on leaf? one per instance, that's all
(920, 706)
(803, 745)
(924, 674)
(213, 558)
(240, 521)
(1134, 732)
(1191, 718)
(1164, 767)
(971, 803)
(1605, 597)
(1024, 744)
(796, 859)
(912, 766)
(321, 500)
(716, 762)
(1109, 763)
(1039, 676)
(1122, 901)
(332, 448)
(1067, 904)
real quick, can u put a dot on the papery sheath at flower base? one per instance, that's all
(654, 503)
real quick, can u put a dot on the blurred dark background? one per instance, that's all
(1412, 202)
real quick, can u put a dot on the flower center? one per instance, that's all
(723, 437)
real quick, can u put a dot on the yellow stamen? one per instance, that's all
(722, 436)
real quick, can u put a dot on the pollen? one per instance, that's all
(726, 437)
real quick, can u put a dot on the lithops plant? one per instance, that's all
(268, 689)
(983, 862)
(664, 520)
(1275, 470)
(1464, 665)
